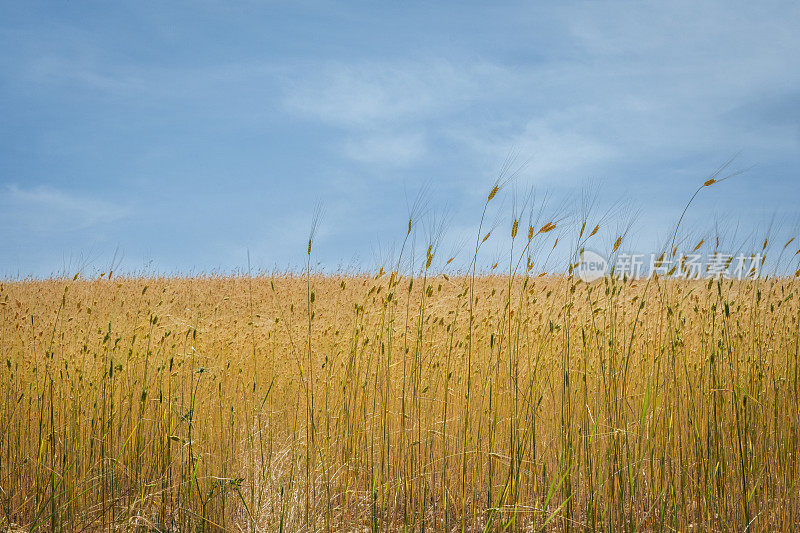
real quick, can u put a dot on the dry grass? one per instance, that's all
(301, 402)
(174, 403)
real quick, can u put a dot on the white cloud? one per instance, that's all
(387, 107)
(386, 149)
(367, 95)
(640, 82)
(647, 82)
(46, 209)
(554, 147)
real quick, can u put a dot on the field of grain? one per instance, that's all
(480, 400)
(439, 403)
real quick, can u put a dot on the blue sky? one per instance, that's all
(184, 134)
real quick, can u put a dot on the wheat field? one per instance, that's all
(514, 401)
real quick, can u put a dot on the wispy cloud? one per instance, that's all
(44, 209)
(370, 94)
(549, 150)
(641, 82)
(386, 149)
(388, 107)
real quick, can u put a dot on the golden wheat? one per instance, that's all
(174, 403)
